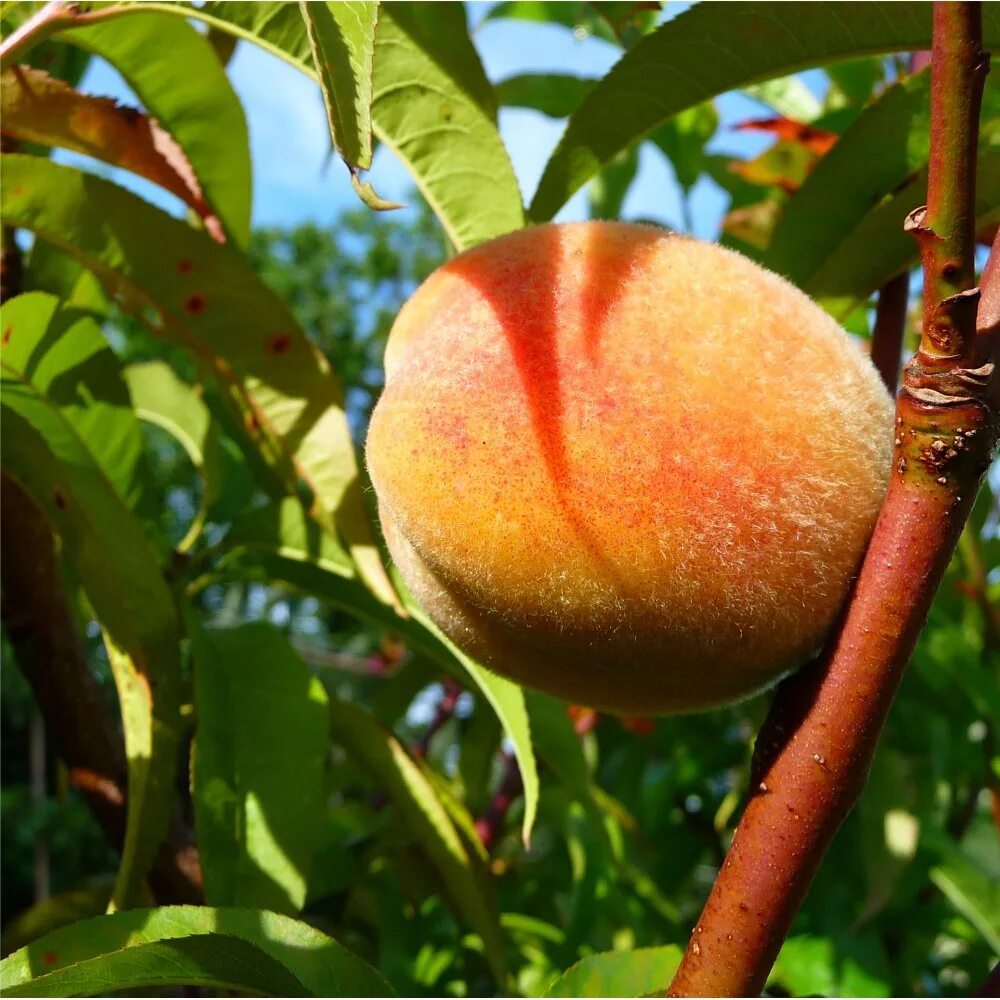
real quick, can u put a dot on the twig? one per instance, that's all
(815, 749)
(890, 326)
(34, 30)
(10, 265)
(445, 710)
(488, 826)
(53, 17)
(39, 797)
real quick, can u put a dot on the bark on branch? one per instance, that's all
(80, 722)
(890, 327)
(814, 752)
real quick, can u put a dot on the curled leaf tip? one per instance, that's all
(370, 197)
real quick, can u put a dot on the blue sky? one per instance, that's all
(295, 181)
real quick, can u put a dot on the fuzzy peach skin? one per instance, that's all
(625, 467)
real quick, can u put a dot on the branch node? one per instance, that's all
(915, 224)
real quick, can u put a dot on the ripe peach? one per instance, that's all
(626, 467)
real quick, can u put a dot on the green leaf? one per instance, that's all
(429, 108)
(163, 399)
(207, 297)
(637, 973)
(819, 966)
(288, 548)
(57, 911)
(577, 16)
(175, 72)
(465, 878)
(841, 236)
(442, 34)
(971, 891)
(38, 108)
(108, 550)
(251, 951)
(51, 270)
(342, 39)
(478, 750)
(66, 359)
(558, 744)
(286, 530)
(629, 21)
(682, 138)
(262, 717)
(878, 249)
(852, 82)
(608, 190)
(507, 700)
(554, 94)
(787, 95)
(682, 141)
(433, 105)
(713, 48)
(279, 542)
(878, 154)
(149, 700)
(66, 62)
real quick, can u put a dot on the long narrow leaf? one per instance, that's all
(461, 870)
(557, 95)
(883, 150)
(163, 399)
(175, 72)
(64, 356)
(713, 48)
(287, 547)
(251, 951)
(878, 248)
(342, 39)
(209, 299)
(262, 717)
(507, 700)
(111, 556)
(432, 104)
(39, 108)
(638, 973)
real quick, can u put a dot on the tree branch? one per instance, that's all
(54, 16)
(890, 326)
(489, 825)
(43, 634)
(814, 751)
(448, 702)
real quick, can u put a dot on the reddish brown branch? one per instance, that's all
(991, 985)
(445, 710)
(958, 72)
(53, 17)
(815, 749)
(890, 326)
(489, 825)
(79, 720)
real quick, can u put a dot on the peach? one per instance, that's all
(626, 467)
